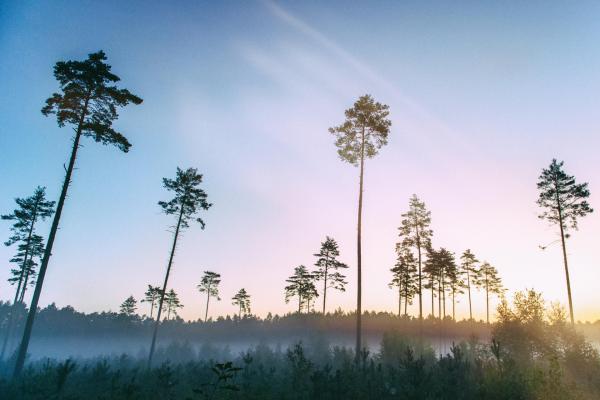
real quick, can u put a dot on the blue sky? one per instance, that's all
(482, 96)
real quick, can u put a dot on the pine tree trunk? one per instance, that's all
(399, 300)
(325, 283)
(487, 300)
(420, 276)
(453, 304)
(432, 299)
(164, 290)
(444, 296)
(359, 253)
(24, 269)
(564, 251)
(207, 301)
(469, 291)
(405, 299)
(20, 361)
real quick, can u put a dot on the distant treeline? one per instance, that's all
(67, 321)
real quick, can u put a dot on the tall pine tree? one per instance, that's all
(359, 137)
(187, 201)
(89, 103)
(563, 201)
(416, 233)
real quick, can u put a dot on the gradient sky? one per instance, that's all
(482, 96)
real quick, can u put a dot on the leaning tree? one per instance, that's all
(563, 201)
(209, 284)
(187, 201)
(359, 137)
(328, 267)
(88, 101)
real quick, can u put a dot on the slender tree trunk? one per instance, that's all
(399, 300)
(564, 251)
(432, 299)
(453, 304)
(359, 252)
(487, 300)
(164, 290)
(405, 299)
(443, 296)
(440, 300)
(469, 291)
(325, 283)
(420, 276)
(207, 301)
(24, 268)
(299, 304)
(151, 308)
(20, 361)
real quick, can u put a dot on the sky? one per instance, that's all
(482, 96)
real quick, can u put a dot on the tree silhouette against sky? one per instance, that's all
(151, 296)
(29, 245)
(209, 284)
(359, 137)
(563, 201)
(415, 232)
(470, 270)
(489, 280)
(89, 103)
(188, 200)
(302, 285)
(242, 300)
(328, 267)
(404, 277)
(128, 307)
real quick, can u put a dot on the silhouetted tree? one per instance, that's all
(209, 285)
(446, 263)
(360, 136)
(29, 245)
(128, 307)
(242, 300)
(301, 284)
(172, 303)
(88, 102)
(490, 281)
(152, 295)
(471, 272)
(186, 203)
(455, 285)
(431, 270)
(415, 232)
(404, 277)
(327, 268)
(563, 201)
